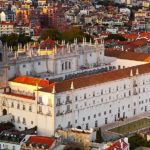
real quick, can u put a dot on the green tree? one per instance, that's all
(99, 138)
(74, 32)
(13, 39)
(51, 33)
(115, 37)
(23, 39)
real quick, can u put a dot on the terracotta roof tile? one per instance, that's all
(7, 23)
(128, 55)
(49, 43)
(31, 81)
(116, 145)
(41, 140)
(130, 36)
(89, 80)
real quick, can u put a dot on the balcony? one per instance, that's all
(40, 112)
(68, 111)
(135, 93)
(69, 126)
(135, 85)
(49, 114)
(68, 102)
(59, 104)
(59, 114)
(40, 103)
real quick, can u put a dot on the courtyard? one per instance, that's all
(132, 126)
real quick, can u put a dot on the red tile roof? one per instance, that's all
(130, 36)
(7, 23)
(41, 140)
(49, 43)
(31, 81)
(117, 145)
(89, 80)
(140, 42)
(145, 35)
(127, 55)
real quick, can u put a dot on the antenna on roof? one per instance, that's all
(131, 73)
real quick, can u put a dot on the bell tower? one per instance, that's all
(3, 66)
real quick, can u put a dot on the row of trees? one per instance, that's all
(13, 39)
(68, 35)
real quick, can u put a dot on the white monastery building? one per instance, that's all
(93, 90)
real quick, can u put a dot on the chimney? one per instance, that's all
(121, 145)
(37, 86)
(137, 71)
(131, 73)
(53, 90)
(126, 140)
(72, 86)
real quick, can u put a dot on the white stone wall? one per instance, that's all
(28, 113)
(122, 63)
(9, 146)
(110, 105)
(101, 104)
(85, 55)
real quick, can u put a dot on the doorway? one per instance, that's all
(4, 112)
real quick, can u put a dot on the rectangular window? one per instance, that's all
(40, 109)
(24, 66)
(87, 126)
(30, 108)
(84, 96)
(124, 86)
(93, 94)
(24, 121)
(23, 107)
(76, 98)
(67, 98)
(18, 119)
(68, 107)
(96, 123)
(58, 101)
(12, 105)
(18, 106)
(76, 105)
(40, 100)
